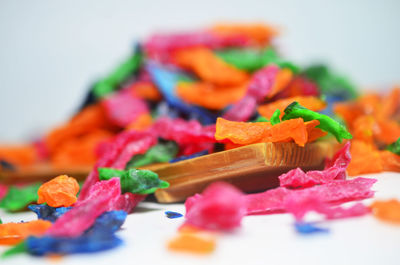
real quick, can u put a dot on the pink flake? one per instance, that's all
(262, 82)
(334, 169)
(270, 201)
(334, 192)
(123, 107)
(260, 85)
(300, 205)
(357, 209)
(117, 153)
(220, 207)
(184, 132)
(340, 161)
(3, 191)
(160, 46)
(192, 201)
(101, 198)
(242, 110)
(339, 191)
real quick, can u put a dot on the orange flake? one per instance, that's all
(146, 90)
(195, 243)
(310, 102)
(208, 95)
(59, 192)
(260, 132)
(258, 33)
(209, 67)
(20, 155)
(282, 80)
(142, 122)
(365, 159)
(13, 233)
(387, 210)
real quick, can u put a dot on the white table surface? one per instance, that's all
(266, 239)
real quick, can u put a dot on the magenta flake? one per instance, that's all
(334, 169)
(101, 197)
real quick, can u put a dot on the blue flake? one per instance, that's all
(101, 236)
(45, 212)
(173, 215)
(166, 82)
(40, 246)
(201, 153)
(309, 228)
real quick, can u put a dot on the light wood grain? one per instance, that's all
(251, 168)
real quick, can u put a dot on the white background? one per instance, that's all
(52, 50)
(262, 239)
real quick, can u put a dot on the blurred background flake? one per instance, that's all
(52, 51)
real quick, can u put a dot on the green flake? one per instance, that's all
(18, 198)
(270, 56)
(261, 119)
(394, 147)
(244, 59)
(17, 249)
(119, 75)
(275, 117)
(160, 153)
(134, 180)
(331, 83)
(253, 59)
(295, 110)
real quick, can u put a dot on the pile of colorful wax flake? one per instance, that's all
(184, 95)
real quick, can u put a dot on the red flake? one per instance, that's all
(117, 153)
(3, 191)
(128, 201)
